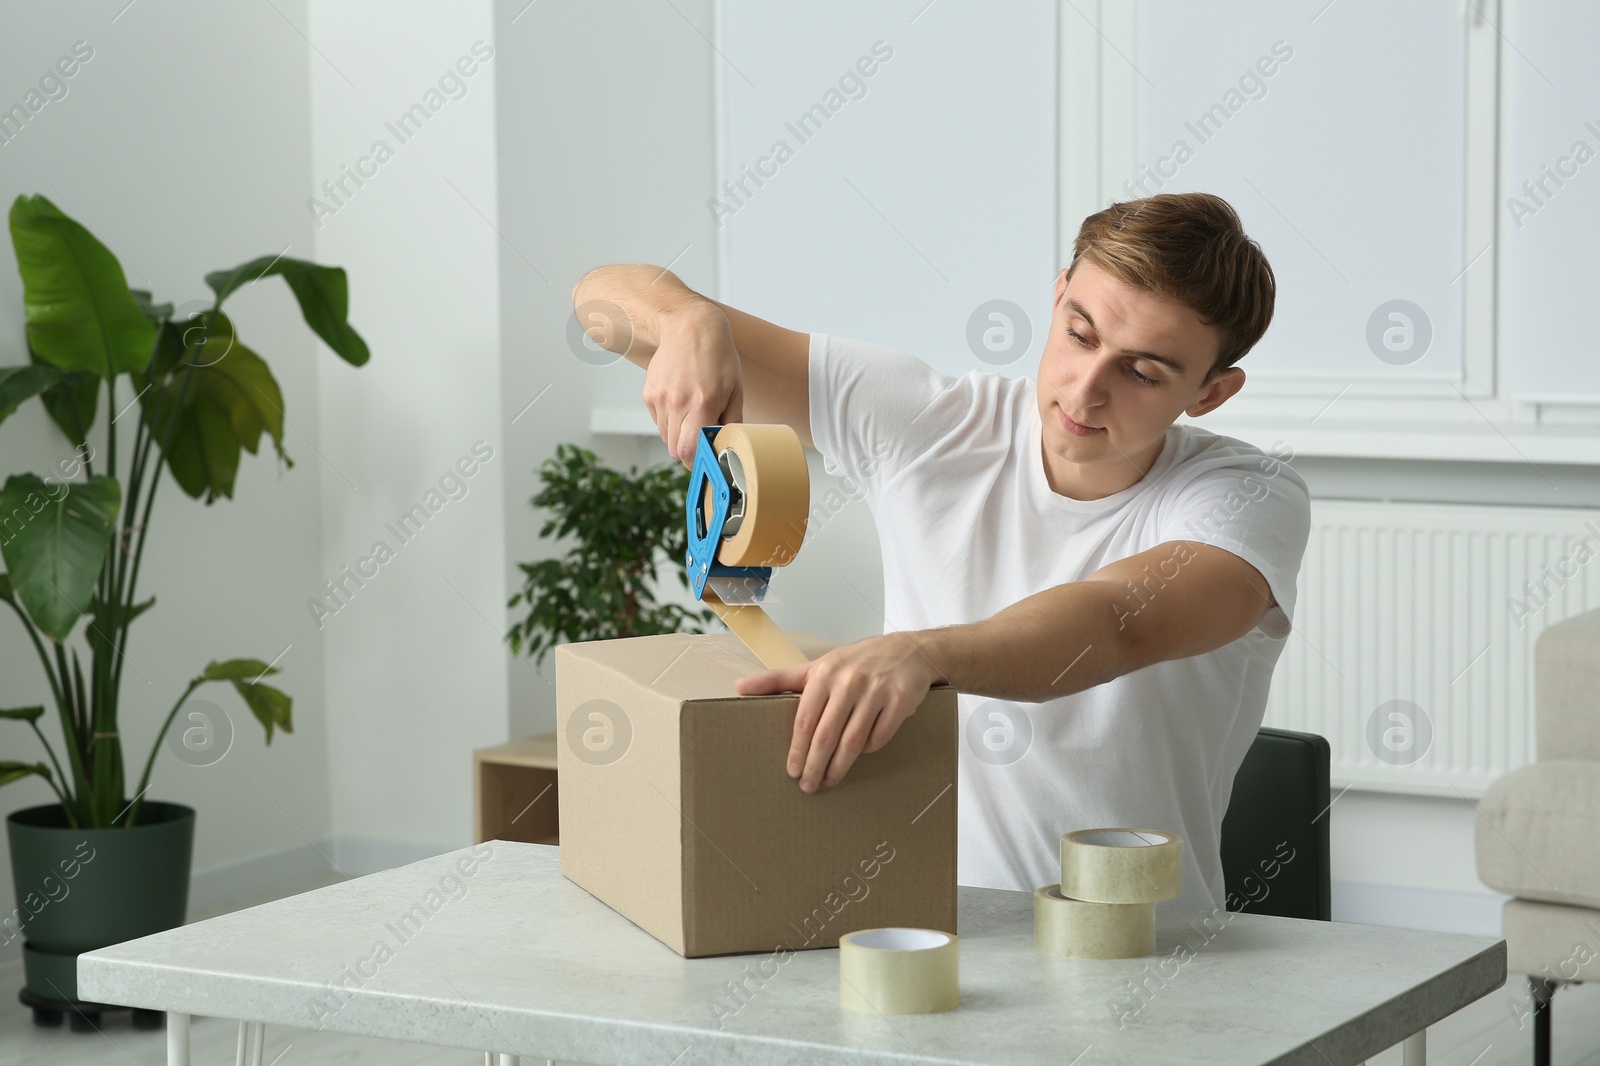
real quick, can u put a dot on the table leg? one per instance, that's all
(1542, 991)
(238, 1056)
(177, 1039)
(258, 1051)
(1416, 1048)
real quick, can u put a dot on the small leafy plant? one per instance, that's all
(72, 549)
(601, 588)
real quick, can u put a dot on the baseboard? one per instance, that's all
(1438, 910)
(245, 882)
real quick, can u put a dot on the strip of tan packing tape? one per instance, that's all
(899, 971)
(759, 632)
(1121, 865)
(777, 502)
(1075, 929)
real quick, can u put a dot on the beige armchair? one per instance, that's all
(1539, 835)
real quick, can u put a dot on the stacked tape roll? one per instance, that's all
(899, 971)
(1121, 865)
(1111, 881)
(767, 465)
(1077, 929)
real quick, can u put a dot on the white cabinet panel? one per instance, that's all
(1550, 201)
(1338, 132)
(914, 194)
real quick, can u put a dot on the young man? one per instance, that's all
(1108, 590)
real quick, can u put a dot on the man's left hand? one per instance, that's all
(852, 700)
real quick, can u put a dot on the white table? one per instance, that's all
(522, 962)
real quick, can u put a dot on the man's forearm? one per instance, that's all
(652, 302)
(1054, 643)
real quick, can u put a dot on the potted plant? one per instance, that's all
(602, 588)
(104, 864)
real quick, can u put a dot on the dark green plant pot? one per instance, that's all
(82, 889)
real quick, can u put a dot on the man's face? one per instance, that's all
(1126, 363)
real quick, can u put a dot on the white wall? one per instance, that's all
(600, 162)
(417, 673)
(910, 182)
(183, 143)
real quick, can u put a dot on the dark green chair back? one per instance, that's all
(1275, 834)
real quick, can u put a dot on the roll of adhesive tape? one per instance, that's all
(777, 493)
(1076, 929)
(1121, 865)
(899, 971)
(768, 467)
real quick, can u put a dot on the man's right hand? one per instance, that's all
(694, 379)
(703, 360)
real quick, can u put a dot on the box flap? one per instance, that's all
(662, 663)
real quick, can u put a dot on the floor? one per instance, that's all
(1485, 1033)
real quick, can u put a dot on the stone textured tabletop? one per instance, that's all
(501, 952)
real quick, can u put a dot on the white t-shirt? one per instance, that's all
(953, 470)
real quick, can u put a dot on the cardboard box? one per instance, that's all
(677, 810)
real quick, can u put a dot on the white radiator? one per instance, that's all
(1437, 605)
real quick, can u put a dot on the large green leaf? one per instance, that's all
(323, 292)
(80, 313)
(71, 403)
(10, 771)
(272, 707)
(232, 399)
(19, 384)
(172, 339)
(54, 539)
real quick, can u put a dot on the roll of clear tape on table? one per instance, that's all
(899, 971)
(1121, 865)
(748, 500)
(1105, 905)
(1076, 929)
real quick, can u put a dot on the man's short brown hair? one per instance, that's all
(1189, 247)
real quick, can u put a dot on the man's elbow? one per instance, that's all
(1167, 638)
(1129, 643)
(1134, 654)
(577, 287)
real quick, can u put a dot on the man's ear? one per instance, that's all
(1222, 387)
